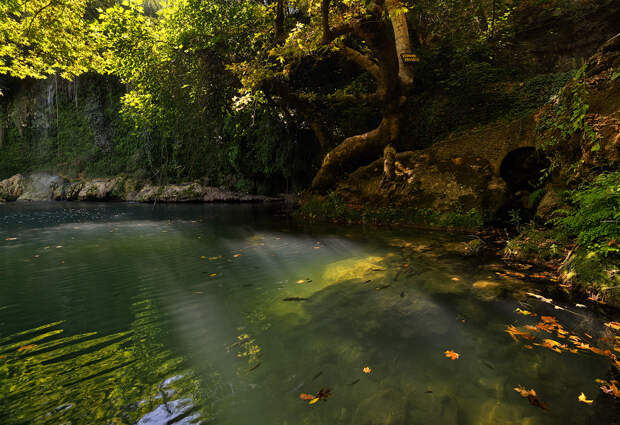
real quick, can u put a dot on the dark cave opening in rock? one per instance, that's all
(523, 171)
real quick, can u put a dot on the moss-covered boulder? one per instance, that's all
(102, 190)
(38, 187)
(426, 181)
(12, 188)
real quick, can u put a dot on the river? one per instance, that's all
(233, 314)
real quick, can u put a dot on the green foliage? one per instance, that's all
(595, 218)
(534, 242)
(566, 119)
(331, 208)
(41, 37)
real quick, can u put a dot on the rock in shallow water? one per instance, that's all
(12, 188)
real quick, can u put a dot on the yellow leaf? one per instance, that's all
(314, 400)
(613, 325)
(582, 398)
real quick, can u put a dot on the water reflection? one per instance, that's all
(125, 377)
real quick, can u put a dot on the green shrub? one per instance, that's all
(595, 218)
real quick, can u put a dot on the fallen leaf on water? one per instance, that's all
(11, 239)
(582, 398)
(323, 394)
(452, 355)
(26, 347)
(514, 332)
(366, 370)
(215, 258)
(202, 257)
(525, 312)
(456, 279)
(531, 397)
(540, 297)
(213, 275)
(300, 281)
(580, 305)
(613, 325)
(524, 393)
(237, 255)
(58, 246)
(553, 345)
(611, 388)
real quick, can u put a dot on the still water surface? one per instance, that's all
(225, 314)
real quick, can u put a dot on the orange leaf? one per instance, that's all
(452, 355)
(26, 347)
(306, 396)
(366, 370)
(524, 393)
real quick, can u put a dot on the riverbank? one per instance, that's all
(46, 187)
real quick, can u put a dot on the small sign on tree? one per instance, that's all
(409, 57)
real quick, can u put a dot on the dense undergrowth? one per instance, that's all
(581, 235)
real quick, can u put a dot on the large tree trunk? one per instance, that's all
(357, 150)
(394, 80)
(401, 38)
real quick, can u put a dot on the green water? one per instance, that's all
(120, 313)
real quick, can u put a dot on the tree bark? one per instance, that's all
(279, 24)
(402, 40)
(356, 150)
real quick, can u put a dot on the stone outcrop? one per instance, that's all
(44, 187)
(12, 188)
(427, 180)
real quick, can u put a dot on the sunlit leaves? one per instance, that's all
(42, 37)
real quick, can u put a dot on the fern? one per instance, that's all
(595, 218)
